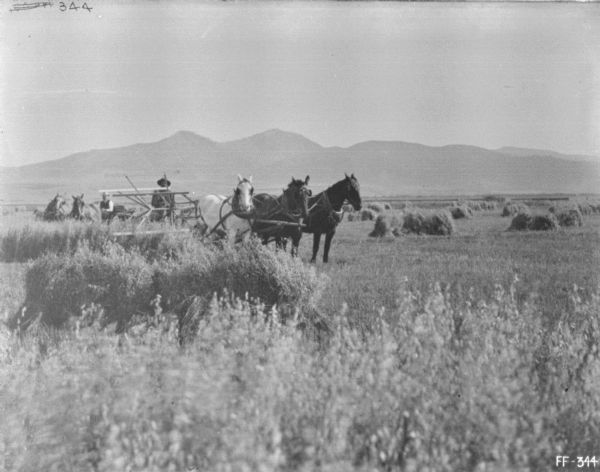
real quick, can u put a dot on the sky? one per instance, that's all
(491, 75)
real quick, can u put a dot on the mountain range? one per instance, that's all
(199, 164)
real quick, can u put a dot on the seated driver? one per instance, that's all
(107, 207)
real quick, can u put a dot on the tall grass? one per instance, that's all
(30, 241)
(496, 368)
(117, 281)
(431, 387)
(250, 269)
(121, 283)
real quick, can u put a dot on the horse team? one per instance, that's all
(272, 218)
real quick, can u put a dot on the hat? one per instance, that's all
(163, 182)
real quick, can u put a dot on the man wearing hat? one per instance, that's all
(106, 207)
(164, 182)
(163, 199)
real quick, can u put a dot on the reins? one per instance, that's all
(221, 217)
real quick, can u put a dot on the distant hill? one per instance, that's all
(523, 152)
(199, 164)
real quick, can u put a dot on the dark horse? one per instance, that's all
(84, 212)
(54, 210)
(290, 207)
(325, 212)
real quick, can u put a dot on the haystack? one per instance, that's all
(511, 209)
(435, 223)
(569, 217)
(526, 221)
(376, 206)
(520, 222)
(367, 215)
(413, 222)
(460, 211)
(474, 205)
(385, 225)
(489, 205)
(544, 223)
(585, 208)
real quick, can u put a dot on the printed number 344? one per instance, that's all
(62, 6)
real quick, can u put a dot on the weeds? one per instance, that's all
(430, 388)
(494, 368)
(122, 283)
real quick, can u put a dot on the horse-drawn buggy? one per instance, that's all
(271, 218)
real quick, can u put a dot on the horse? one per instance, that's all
(82, 211)
(54, 210)
(325, 212)
(290, 207)
(228, 216)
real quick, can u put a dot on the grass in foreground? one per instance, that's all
(436, 389)
(483, 371)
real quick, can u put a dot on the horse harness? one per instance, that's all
(281, 208)
(323, 204)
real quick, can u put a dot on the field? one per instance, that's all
(475, 351)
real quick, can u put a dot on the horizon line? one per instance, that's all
(311, 140)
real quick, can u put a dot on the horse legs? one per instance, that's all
(328, 238)
(281, 243)
(316, 242)
(295, 244)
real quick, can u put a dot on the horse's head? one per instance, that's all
(55, 210)
(296, 196)
(77, 208)
(352, 190)
(242, 196)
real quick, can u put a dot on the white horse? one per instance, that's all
(219, 212)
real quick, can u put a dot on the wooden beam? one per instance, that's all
(129, 193)
(157, 231)
(148, 189)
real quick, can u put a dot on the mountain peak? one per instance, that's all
(276, 132)
(275, 140)
(187, 139)
(186, 134)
